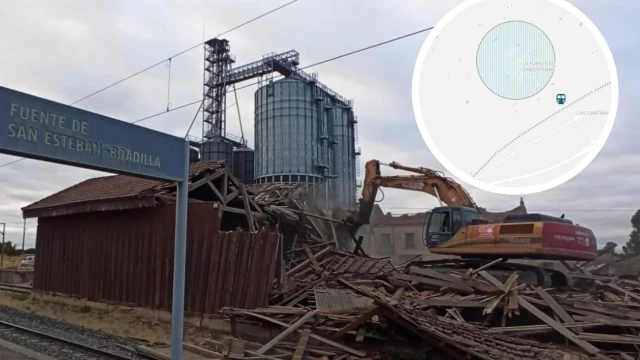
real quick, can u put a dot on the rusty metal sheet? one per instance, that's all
(126, 257)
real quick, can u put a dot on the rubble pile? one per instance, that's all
(334, 303)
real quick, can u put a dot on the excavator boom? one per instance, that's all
(445, 189)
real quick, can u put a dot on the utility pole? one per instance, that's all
(4, 228)
(24, 231)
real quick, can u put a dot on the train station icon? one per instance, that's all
(561, 98)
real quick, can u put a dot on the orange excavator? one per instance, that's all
(457, 227)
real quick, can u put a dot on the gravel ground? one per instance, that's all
(10, 355)
(57, 328)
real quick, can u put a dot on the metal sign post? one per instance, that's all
(41, 129)
(180, 258)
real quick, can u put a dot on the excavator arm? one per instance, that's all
(434, 183)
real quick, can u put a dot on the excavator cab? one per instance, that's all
(446, 221)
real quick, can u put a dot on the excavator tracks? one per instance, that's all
(530, 274)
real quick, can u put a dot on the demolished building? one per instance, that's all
(263, 256)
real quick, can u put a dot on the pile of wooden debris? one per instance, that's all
(338, 303)
(359, 300)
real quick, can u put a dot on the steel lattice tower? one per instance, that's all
(218, 62)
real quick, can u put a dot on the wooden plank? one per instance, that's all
(232, 195)
(216, 191)
(510, 281)
(490, 278)
(622, 313)
(611, 296)
(166, 198)
(480, 286)
(397, 295)
(313, 336)
(302, 344)
(317, 216)
(225, 187)
(252, 200)
(305, 263)
(559, 310)
(493, 304)
(473, 272)
(513, 300)
(239, 211)
(333, 234)
(288, 331)
(538, 329)
(620, 290)
(357, 322)
(247, 207)
(608, 338)
(604, 320)
(451, 303)
(433, 274)
(455, 314)
(627, 357)
(205, 180)
(434, 283)
(202, 351)
(313, 260)
(557, 326)
(248, 349)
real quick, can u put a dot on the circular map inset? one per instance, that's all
(515, 60)
(515, 97)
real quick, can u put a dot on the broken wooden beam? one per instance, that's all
(288, 331)
(557, 326)
(342, 347)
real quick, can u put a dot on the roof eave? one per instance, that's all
(128, 203)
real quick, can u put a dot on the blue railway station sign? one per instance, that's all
(43, 129)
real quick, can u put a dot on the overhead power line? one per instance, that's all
(302, 68)
(181, 53)
(256, 83)
(162, 62)
(347, 54)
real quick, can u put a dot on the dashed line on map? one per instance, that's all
(538, 124)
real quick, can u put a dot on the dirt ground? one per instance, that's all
(117, 322)
(12, 262)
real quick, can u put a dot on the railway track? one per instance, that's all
(56, 347)
(15, 288)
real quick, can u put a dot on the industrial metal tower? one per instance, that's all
(218, 63)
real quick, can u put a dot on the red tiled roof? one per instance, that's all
(112, 188)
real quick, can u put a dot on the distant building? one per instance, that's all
(401, 237)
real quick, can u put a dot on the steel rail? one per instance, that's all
(15, 288)
(86, 348)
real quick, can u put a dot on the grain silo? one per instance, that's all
(304, 134)
(217, 148)
(343, 154)
(243, 164)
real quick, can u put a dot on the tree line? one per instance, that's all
(632, 247)
(10, 249)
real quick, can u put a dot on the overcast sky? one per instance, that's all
(64, 50)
